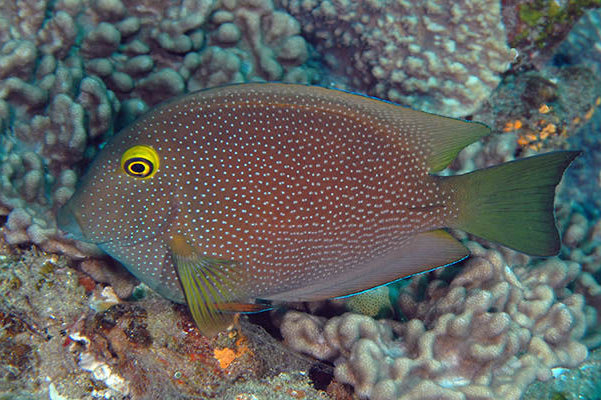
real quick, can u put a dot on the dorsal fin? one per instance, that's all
(449, 137)
(446, 136)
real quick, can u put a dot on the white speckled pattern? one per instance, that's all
(297, 184)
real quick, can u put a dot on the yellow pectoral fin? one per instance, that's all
(211, 286)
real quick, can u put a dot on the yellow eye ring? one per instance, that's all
(140, 162)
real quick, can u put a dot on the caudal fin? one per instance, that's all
(512, 203)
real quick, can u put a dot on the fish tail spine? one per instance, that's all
(512, 203)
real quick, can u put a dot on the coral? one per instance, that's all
(284, 386)
(536, 28)
(372, 303)
(486, 333)
(537, 111)
(99, 104)
(27, 17)
(581, 383)
(55, 114)
(32, 327)
(107, 271)
(553, 104)
(550, 107)
(246, 31)
(159, 85)
(577, 46)
(60, 338)
(59, 33)
(17, 58)
(439, 56)
(582, 244)
(155, 61)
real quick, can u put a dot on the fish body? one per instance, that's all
(290, 192)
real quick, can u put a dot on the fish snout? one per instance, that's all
(67, 222)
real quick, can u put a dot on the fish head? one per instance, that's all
(124, 197)
(126, 204)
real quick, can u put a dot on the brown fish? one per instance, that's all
(287, 192)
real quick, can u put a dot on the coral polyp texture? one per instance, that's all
(485, 334)
(436, 55)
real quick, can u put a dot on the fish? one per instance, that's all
(235, 198)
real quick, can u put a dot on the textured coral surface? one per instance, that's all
(486, 333)
(439, 56)
(62, 334)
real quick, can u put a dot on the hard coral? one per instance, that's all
(250, 40)
(536, 28)
(487, 333)
(582, 244)
(439, 56)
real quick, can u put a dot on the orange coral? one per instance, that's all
(226, 355)
(547, 129)
(534, 140)
(544, 109)
(550, 129)
(513, 126)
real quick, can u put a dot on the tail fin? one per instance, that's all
(512, 203)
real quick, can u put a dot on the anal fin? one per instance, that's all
(421, 253)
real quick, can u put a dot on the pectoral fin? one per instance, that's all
(211, 286)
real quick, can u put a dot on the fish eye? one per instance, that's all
(140, 162)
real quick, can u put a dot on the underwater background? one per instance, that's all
(501, 325)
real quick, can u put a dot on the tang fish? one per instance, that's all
(283, 192)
